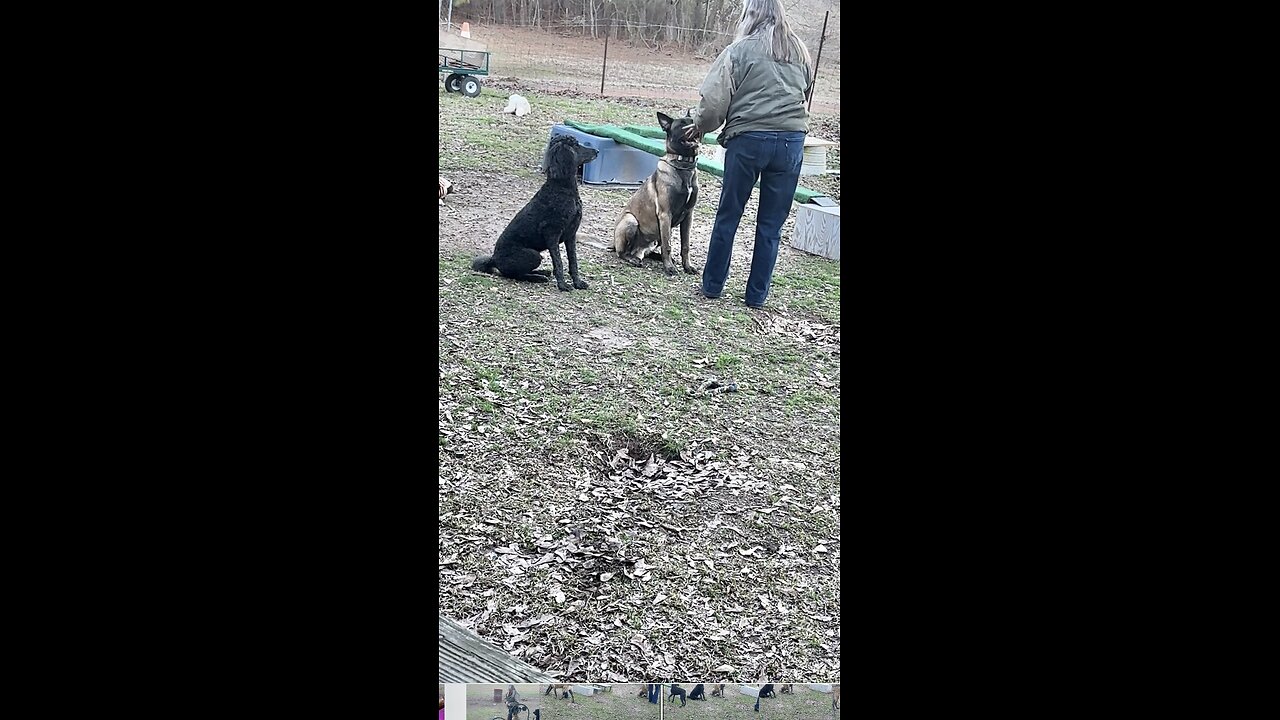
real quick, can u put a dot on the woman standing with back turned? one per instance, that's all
(757, 88)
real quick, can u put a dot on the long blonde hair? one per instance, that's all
(767, 16)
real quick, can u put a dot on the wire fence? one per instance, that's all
(541, 58)
(655, 36)
(595, 28)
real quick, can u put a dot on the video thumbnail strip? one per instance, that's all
(638, 701)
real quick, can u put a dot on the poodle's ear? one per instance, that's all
(664, 120)
(560, 157)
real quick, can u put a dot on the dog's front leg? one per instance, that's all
(571, 249)
(664, 233)
(557, 265)
(685, 226)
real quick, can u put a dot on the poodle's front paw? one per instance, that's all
(692, 270)
(563, 286)
(669, 270)
(580, 284)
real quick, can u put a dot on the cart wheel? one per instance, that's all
(453, 83)
(471, 87)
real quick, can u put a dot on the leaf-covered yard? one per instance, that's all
(635, 483)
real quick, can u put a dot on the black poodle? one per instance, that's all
(549, 219)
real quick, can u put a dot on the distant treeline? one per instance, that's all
(700, 26)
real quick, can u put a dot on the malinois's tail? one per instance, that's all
(483, 264)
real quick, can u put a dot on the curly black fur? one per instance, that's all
(697, 693)
(676, 690)
(550, 218)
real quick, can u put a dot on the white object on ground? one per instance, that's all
(519, 105)
(814, 159)
(748, 690)
(820, 688)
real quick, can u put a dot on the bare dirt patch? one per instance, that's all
(557, 61)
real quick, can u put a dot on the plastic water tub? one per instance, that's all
(616, 164)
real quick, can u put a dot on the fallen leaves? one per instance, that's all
(599, 516)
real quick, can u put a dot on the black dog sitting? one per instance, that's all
(548, 220)
(767, 691)
(677, 690)
(697, 694)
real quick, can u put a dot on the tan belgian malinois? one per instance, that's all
(663, 202)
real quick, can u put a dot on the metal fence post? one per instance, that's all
(821, 40)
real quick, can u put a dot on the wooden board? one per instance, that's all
(465, 657)
(817, 231)
(456, 41)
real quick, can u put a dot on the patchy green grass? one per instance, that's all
(620, 703)
(596, 469)
(804, 704)
(812, 284)
(474, 135)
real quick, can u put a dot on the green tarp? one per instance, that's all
(652, 140)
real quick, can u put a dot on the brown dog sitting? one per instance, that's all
(665, 201)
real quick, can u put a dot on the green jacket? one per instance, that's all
(746, 89)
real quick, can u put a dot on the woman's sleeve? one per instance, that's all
(717, 89)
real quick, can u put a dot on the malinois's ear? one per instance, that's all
(664, 120)
(688, 112)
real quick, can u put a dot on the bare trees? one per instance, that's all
(687, 24)
(702, 26)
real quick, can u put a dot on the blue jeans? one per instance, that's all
(774, 159)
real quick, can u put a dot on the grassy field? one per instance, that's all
(620, 703)
(605, 512)
(805, 704)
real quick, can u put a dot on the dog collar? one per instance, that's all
(692, 160)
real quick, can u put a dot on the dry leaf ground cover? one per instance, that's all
(804, 704)
(635, 483)
(620, 703)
